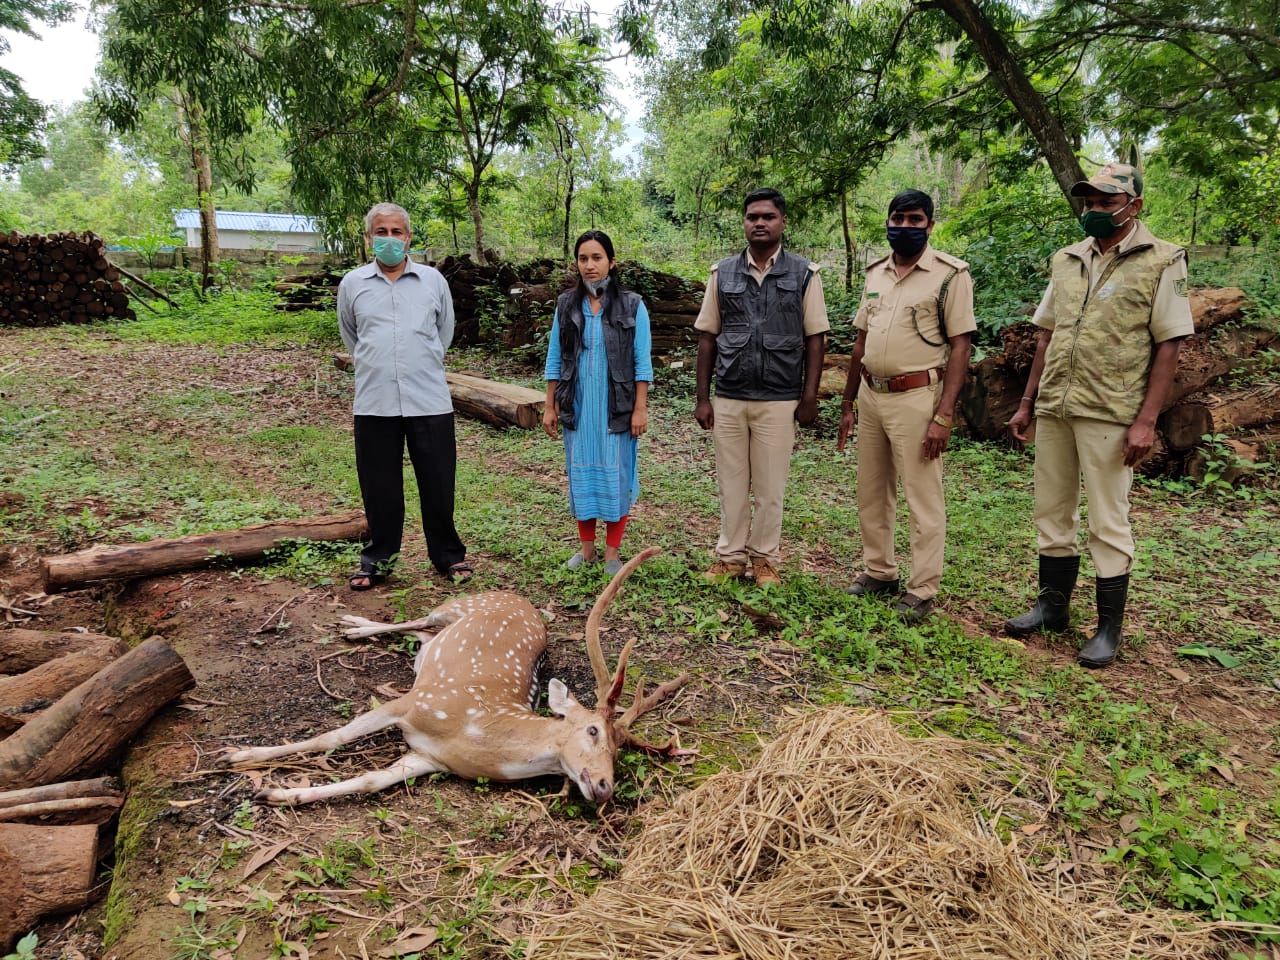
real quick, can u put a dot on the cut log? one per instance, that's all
(1246, 407)
(83, 730)
(38, 687)
(43, 870)
(1185, 424)
(23, 649)
(125, 561)
(496, 403)
(1230, 465)
(1204, 359)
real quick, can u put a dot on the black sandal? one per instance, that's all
(460, 572)
(373, 580)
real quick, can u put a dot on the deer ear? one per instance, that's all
(559, 699)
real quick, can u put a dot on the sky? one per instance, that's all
(58, 68)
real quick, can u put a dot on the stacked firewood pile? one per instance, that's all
(1226, 386)
(68, 703)
(309, 291)
(512, 304)
(54, 278)
(672, 302)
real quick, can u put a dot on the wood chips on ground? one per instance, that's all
(848, 840)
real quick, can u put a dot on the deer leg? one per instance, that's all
(409, 765)
(361, 628)
(363, 725)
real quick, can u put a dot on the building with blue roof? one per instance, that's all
(286, 232)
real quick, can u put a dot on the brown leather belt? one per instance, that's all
(905, 381)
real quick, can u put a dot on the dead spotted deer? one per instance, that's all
(470, 711)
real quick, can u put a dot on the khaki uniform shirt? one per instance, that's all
(814, 305)
(897, 315)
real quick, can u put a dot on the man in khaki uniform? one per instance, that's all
(762, 328)
(1111, 325)
(908, 365)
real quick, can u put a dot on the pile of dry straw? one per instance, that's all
(846, 840)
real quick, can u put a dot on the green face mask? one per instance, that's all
(1100, 224)
(388, 251)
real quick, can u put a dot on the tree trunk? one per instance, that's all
(154, 557)
(85, 729)
(195, 136)
(477, 221)
(848, 240)
(568, 211)
(1013, 82)
(43, 870)
(38, 687)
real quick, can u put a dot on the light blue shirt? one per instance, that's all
(397, 334)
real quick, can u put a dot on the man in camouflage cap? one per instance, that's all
(1111, 325)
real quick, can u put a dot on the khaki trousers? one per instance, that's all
(753, 441)
(1066, 451)
(891, 431)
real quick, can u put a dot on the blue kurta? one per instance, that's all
(603, 476)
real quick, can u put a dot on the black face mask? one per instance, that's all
(907, 241)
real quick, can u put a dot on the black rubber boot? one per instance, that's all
(1053, 605)
(1102, 648)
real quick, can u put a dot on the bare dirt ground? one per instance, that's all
(365, 876)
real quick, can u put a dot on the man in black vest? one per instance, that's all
(762, 328)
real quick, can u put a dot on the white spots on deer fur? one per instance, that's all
(441, 715)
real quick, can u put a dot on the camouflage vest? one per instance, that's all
(1099, 357)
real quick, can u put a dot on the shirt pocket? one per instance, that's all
(783, 361)
(733, 303)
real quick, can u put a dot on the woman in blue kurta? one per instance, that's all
(598, 374)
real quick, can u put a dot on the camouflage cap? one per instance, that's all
(1113, 178)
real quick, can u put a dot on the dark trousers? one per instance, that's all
(380, 444)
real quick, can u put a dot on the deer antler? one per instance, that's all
(609, 688)
(641, 705)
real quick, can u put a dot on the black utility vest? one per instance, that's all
(760, 348)
(619, 325)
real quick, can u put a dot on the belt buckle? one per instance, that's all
(878, 384)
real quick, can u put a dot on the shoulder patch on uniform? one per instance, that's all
(1180, 286)
(951, 261)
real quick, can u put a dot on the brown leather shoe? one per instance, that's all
(723, 569)
(764, 573)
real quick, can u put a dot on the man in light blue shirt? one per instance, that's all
(396, 319)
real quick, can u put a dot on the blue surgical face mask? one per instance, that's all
(388, 251)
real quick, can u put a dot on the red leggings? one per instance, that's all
(613, 531)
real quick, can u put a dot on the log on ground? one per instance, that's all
(88, 726)
(497, 403)
(73, 801)
(38, 687)
(23, 649)
(44, 870)
(125, 561)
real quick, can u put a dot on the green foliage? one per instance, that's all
(25, 948)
